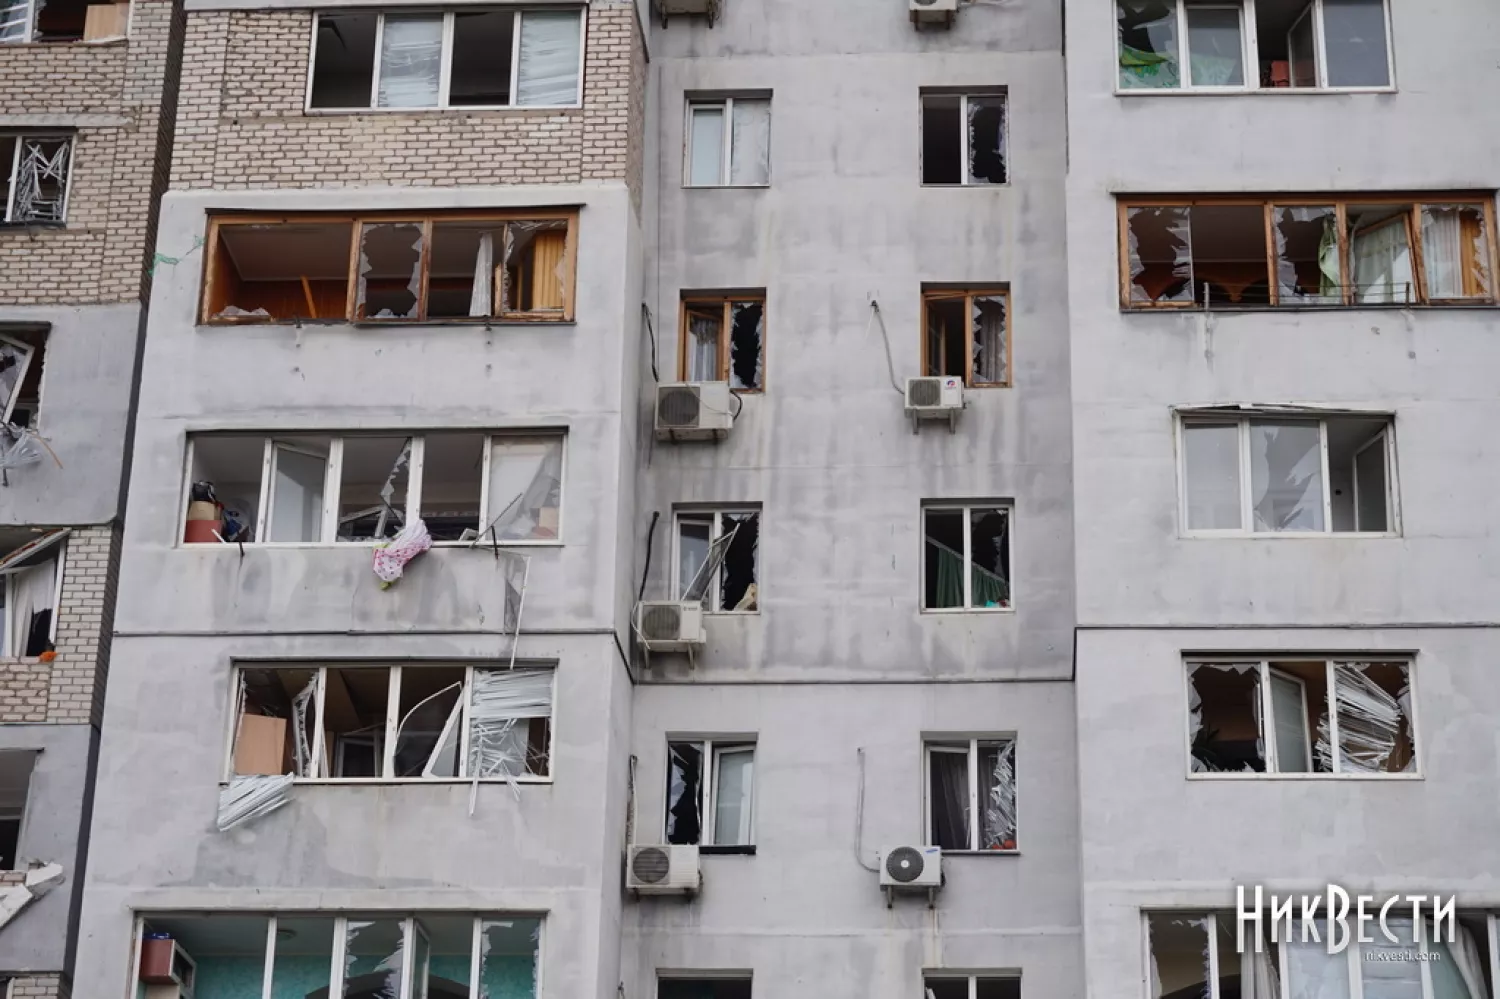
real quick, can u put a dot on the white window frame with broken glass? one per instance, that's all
(975, 984)
(484, 737)
(702, 360)
(997, 806)
(441, 62)
(712, 753)
(1251, 462)
(532, 517)
(970, 103)
(1005, 604)
(1369, 730)
(1248, 64)
(732, 166)
(31, 583)
(16, 358)
(404, 979)
(31, 162)
(707, 579)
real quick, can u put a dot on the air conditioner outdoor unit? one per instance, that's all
(911, 868)
(663, 870)
(693, 411)
(932, 11)
(940, 398)
(708, 8)
(670, 625)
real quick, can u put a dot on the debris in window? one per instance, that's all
(390, 270)
(277, 722)
(991, 346)
(249, 797)
(1308, 271)
(391, 558)
(1161, 259)
(1374, 708)
(997, 820)
(344, 59)
(39, 881)
(235, 312)
(224, 497)
(499, 744)
(372, 487)
(1183, 958)
(1286, 476)
(986, 140)
(746, 340)
(278, 272)
(16, 359)
(1148, 44)
(427, 731)
(40, 187)
(525, 488)
(1224, 713)
(684, 793)
(702, 579)
(536, 266)
(411, 58)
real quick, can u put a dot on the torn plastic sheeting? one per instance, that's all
(38, 167)
(252, 796)
(1269, 408)
(388, 490)
(411, 52)
(497, 745)
(697, 589)
(39, 881)
(391, 558)
(1000, 806)
(1369, 724)
(549, 58)
(301, 705)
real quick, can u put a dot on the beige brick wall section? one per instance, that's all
(40, 987)
(98, 255)
(241, 122)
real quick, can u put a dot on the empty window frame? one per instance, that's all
(21, 357)
(716, 559)
(1273, 716)
(324, 489)
(711, 792)
(470, 59)
(1306, 251)
(1288, 475)
(61, 21)
(390, 955)
(966, 557)
(966, 334)
(31, 567)
(950, 985)
(723, 339)
(971, 794)
(1253, 44)
(963, 138)
(508, 267)
(35, 169)
(16, 767)
(393, 723)
(729, 142)
(715, 985)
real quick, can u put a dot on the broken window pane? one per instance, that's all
(283, 271)
(986, 140)
(1380, 254)
(535, 266)
(948, 797)
(705, 327)
(946, 988)
(738, 590)
(1308, 271)
(746, 344)
(69, 21)
(525, 488)
(451, 948)
(750, 142)
(482, 44)
(452, 481)
(942, 139)
(1455, 252)
(390, 270)
(507, 957)
(510, 715)
(1228, 248)
(1286, 476)
(943, 580)
(16, 766)
(354, 722)
(703, 988)
(372, 487)
(550, 42)
(1180, 962)
(461, 280)
(997, 988)
(1374, 719)
(997, 796)
(427, 725)
(35, 171)
(344, 60)
(277, 721)
(1148, 44)
(411, 58)
(303, 968)
(947, 323)
(1357, 473)
(989, 557)
(1216, 52)
(1224, 718)
(1161, 267)
(734, 770)
(15, 363)
(1302, 50)
(373, 958)
(225, 480)
(1354, 43)
(706, 145)
(991, 347)
(299, 472)
(684, 823)
(1211, 472)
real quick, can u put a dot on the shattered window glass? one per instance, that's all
(461, 280)
(34, 170)
(997, 796)
(1286, 476)
(1148, 44)
(372, 487)
(390, 270)
(508, 957)
(509, 723)
(1211, 469)
(718, 553)
(1181, 960)
(1225, 728)
(1227, 244)
(684, 820)
(276, 723)
(536, 266)
(991, 347)
(1161, 258)
(525, 488)
(1374, 720)
(374, 956)
(1308, 269)
(746, 344)
(427, 730)
(15, 362)
(738, 590)
(986, 140)
(1455, 252)
(411, 57)
(966, 558)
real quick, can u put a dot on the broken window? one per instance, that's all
(944, 985)
(729, 142)
(971, 794)
(718, 559)
(710, 793)
(394, 722)
(35, 170)
(16, 766)
(439, 955)
(1273, 717)
(358, 488)
(480, 58)
(724, 339)
(1455, 253)
(963, 138)
(1293, 473)
(966, 334)
(714, 986)
(31, 564)
(966, 558)
(1308, 266)
(20, 377)
(61, 21)
(1195, 955)
(280, 271)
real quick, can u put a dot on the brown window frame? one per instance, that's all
(214, 248)
(1340, 203)
(968, 295)
(726, 302)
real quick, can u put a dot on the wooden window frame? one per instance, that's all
(357, 222)
(1340, 203)
(968, 295)
(727, 303)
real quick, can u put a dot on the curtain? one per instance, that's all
(30, 597)
(1330, 281)
(1442, 253)
(481, 302)
(411, 58)
(1257, 973)
(1381, 260)
(548, 75)
(950, 799)
(950, 580)
(546, 269)
(703, 346)
(750, 142)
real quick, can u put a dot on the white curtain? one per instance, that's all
(411, 59)
(1442, 253)
(31, 592)
(703, 347)
(1382, 265)
(548, 75)
(750, 142)
(481, 299)
(1459, 972)
(989, 341)
(1257, 972)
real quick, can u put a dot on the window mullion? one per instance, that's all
(1330, 680)
(1247, 492)
(965, 139)
(392, 723)
(1250, 46)
(1184, 52)
(1327, 482)
(329, 529)
(725, 158)
(1320, 51)
(467, 694)
(1267, 724)
(319, 748)
(268, 966)
(1352, 954)
(445, 63)
(15, 177)
(968, 555)
(474, 957)
(973, 794)
(705, 796)
(723, 359)
(415, 468)
(263, 513)
(484, 484)
(340, 947)
(375, 76)
(1419, 929)
(515, 65)
(973, 987)
(714, 534)
(409, 967)
(1212, 926)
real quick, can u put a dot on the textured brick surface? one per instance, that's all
(242, 124)
(98, 255)
(39, 987)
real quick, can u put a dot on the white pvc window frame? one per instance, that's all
(1201, 418)
(445, 73)
(333, 476)
(967, 509)
(319, 749)
(708, 786)
(718, 526)
(972, 978)
(1268, 718)
(1250, 53)
(411, 927)
(28, 355)
(58, 539)
(970, 747)
(13, 173)
(966, 132)
(725, 107)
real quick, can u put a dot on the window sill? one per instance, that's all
(726, 187)
(373, 323)
(452, 109)
(731, 613)
(383, 781)
(116, 40)
(1014, 852)
(26, 226)
(727, 851)
(965, 187)
(1304, 777)
(948, 611)
(483, 544)
(1285, 535)
(1262, 309)
(1246, 91)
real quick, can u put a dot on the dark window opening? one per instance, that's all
(354, 719)
(747, 323)
(16, 766)
(986, 140)
(452, 480)
(946, 324)
(429, 695)
(344, 66)
(703, 988)
(74, 20)
(684, 793)
(942, 139)
(963, 139)
(22, 352)
(943, 582)
(482, 45)
(738, 591)
(389, 270)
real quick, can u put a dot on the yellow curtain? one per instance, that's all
(546, 269)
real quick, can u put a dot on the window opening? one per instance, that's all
(718, 559)
(971, 794)
(949, 986)
(723, 339)
(966, 558)
(966, 335)
(16, 767)
(704, 988)
(963, 139)
(710, 793)
(729, 142)
(31, 565)
(34, 170)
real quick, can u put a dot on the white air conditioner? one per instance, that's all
(663, 870)
(693, 411)
(670, 625)
(911, 868)
(703, 8)
(932, 11)
(940, 398)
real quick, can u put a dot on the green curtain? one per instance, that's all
(990, 589)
